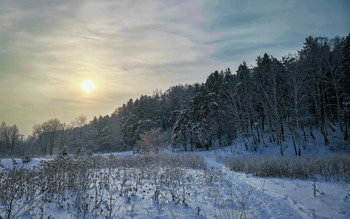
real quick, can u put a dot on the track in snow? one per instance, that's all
(289, 198)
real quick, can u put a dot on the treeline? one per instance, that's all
(9, 137)
(291, 97)
(298, 92)
(294, 95)
(116, 132)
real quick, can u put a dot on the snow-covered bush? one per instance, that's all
(19, 192)
(236, 202)
(114, 186)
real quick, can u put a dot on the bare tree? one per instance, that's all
(297, 97)
(9, 137)
(14, 136)
(269, 82)
(4, 138)
(47, 132)
(81, 121)
(38, 134)
(63, 135)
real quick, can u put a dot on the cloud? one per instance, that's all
(49, 48)
(253, 27)
(129, 48)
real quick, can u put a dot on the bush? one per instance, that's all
(330, 168)
(63, 152)
(109, 186)
(19, 192)
(153, 141)
(149, 160)
(26, 158)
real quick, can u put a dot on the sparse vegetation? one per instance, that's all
(329, 168)
(100, 186)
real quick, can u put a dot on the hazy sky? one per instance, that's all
(132, 47)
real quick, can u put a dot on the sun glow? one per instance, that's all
(87, 86)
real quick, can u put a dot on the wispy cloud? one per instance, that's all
(129, 48)
(49, 48)
(253, 27)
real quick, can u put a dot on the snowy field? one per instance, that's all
(164, 186)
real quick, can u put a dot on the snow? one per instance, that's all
(8, 163)
(221, 193)
(293, 198)
(310, 147)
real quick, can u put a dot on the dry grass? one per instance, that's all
(162, 160)
(329, 168)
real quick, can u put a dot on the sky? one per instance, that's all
(132, 47)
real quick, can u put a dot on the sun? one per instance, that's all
(87, 86)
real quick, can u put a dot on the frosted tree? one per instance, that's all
(270, 83)
(296, 100)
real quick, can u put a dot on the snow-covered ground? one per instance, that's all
(8, 163)
(292, 198)
(217, 192)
